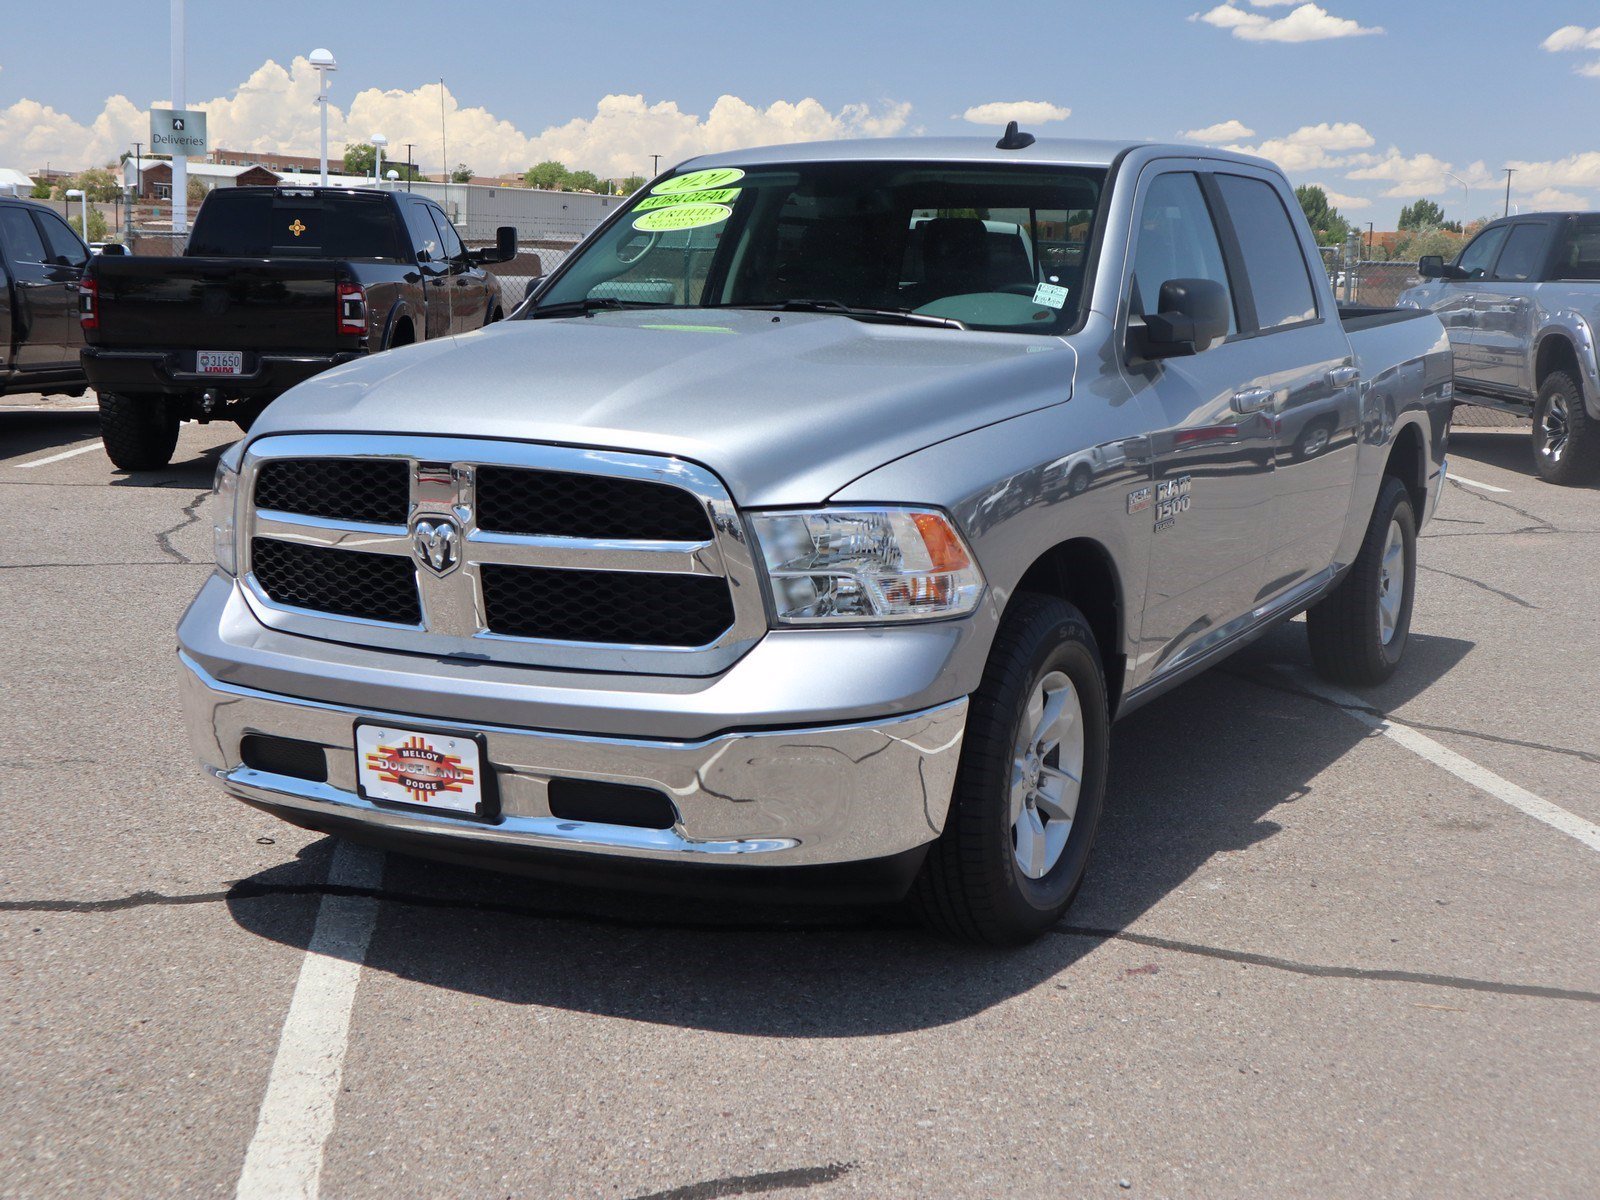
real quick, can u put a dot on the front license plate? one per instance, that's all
(219, 362)
(431, 770)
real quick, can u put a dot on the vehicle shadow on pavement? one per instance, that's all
(27, 435)
(1193, 775)
(194, 474)
(1508, 449)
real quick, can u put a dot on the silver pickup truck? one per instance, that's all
(1521, 304)
(757, 551)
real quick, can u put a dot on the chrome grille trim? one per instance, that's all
(442, 474)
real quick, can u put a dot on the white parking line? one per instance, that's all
(41, 462)
(1461, 767)
(1488, 487)
(285, 1155)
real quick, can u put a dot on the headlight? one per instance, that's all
(853, 565)
(224, 499)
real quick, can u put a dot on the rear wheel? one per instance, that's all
(1031, 786)
(1359, 632)
(1566, 440)
(140, 434)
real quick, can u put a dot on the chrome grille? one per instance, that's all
(556, 556)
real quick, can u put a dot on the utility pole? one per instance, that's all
(655, 165)
(1510, 171)
(411, 170)
(1369, 240)
(444, 146)
(180, 162)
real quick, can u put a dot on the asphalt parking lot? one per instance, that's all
(1318, 953)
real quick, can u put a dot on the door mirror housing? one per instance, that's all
(503, 250)
(1191, 315)
(114, 249)
(1433, 266)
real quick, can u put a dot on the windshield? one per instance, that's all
(996, 248)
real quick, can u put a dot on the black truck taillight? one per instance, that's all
(352, 308)
(89, 304)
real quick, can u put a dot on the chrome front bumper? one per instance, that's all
(830, 794)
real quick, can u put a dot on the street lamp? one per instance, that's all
(322, 62)
(392, 176)
(80, 194)
(378, 143)
(1466, 203)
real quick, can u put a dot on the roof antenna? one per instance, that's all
(1014, 139)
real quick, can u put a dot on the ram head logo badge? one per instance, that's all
(437, 544)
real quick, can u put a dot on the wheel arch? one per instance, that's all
(1408, 462)
(399, 315)
(1556, 352)
(1082, 572)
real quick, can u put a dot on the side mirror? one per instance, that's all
(1192, 314)
(113, 248)
(1431, 266)
(505, 247)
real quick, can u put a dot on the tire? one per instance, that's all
(974, 885)
(1080, 479)
(139, 434)
(1359, 631)
(1566, 439)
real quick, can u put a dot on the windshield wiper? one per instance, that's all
(587, 306)
(896, 316)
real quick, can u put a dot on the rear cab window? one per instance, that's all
(298, 223)
(1579, 257)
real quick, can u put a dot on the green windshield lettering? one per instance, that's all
(682, 216)
(698, 181)
(718, 196)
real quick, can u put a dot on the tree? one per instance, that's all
(632, 184)
(1424, 214)
(100, 184)
(97, 226)
(1429, 241)
(583, 181)
(360, 158)
(41, 190)
(462, 174)
(1331, 228)
(549, 175)
(196, 193)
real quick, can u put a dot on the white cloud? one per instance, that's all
(1573, 171)
(1030, 112)
(1418, 174)
(1592, 70)
(1307, 23)
(1222, 131)
(275, 110)
(1572, 37)
(1556, 198)
(1343, 200)
(1312, 146)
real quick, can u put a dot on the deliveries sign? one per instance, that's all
(180, 132)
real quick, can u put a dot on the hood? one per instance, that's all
(786, 408)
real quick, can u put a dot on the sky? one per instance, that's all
(1380, 102)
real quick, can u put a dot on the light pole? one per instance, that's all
(1510, 171)
(180, 160)
(322, 62)
(81, 194)
(378, 143)
(1466, 202)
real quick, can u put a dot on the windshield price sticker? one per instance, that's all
(682, 216)
(718, 196)
(1051, 294)
(698, 181)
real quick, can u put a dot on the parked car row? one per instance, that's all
(275, 286)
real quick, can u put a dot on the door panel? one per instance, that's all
(37, 322)
(68, 258)
(1459, 311)
(434, 273)
(1503, 337)
(1211, 445)
(463, 315)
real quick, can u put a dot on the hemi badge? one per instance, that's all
(1140, 500)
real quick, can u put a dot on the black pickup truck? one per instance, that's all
(41, 264)
(277, 284)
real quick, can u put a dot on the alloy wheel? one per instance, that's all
(1046, 775)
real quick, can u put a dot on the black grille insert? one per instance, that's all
(349, 583)
(610, 804)
(613, 607)
(566, 504)
(284, 756)
(374, 490)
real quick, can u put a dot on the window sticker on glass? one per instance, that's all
(698, 181)
(682, 216)
(716, 196)
(1051, 294)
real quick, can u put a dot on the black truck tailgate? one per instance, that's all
(217, 304)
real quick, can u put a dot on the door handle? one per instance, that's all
(1341, 377)
(1252, 400)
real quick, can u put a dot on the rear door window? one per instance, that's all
(424, 233)
(1523, 256)
(1176, 239)
(1274, 262)
(450, 241)
(21, 235)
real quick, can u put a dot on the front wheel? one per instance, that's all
(1031, 785)
(1359, 632)
(139, 434)
(1566, 440)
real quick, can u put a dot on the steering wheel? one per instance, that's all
(622, 248)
